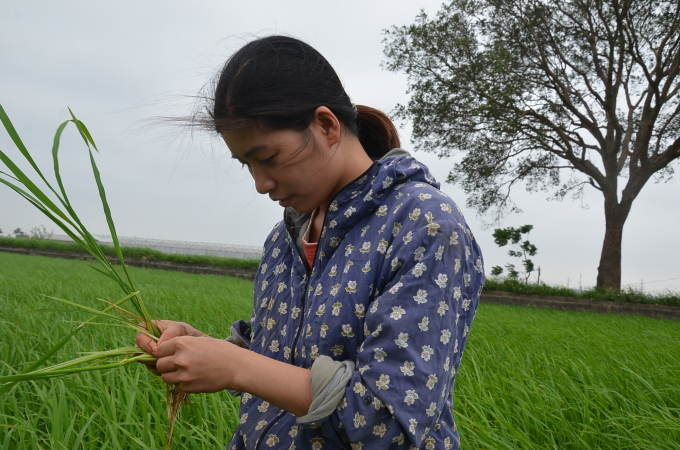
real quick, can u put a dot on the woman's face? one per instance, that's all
(292, 170)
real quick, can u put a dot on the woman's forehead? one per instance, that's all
(243, 144)
(246, 143)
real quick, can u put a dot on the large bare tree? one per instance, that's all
(558, 95)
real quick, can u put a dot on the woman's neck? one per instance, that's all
(351, 163)
(315, 224)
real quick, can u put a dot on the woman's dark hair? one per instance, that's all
(277, 82)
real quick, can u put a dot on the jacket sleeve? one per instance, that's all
(416, 330)
(240, 334)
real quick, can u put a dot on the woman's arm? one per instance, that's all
(204, 364)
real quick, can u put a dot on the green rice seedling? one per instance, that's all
(63, 215)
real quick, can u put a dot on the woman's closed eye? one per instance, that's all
(265, 162)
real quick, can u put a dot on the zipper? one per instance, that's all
(304, 296)
(271, 424)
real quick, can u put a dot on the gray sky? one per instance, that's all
(117, 64)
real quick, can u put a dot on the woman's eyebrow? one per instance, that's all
(250, 152)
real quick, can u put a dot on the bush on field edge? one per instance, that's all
(628, 295)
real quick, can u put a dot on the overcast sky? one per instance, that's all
(118, 64)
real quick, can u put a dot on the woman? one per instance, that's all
(367, 288)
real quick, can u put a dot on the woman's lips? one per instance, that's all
(285, 201)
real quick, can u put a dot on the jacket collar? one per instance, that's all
(359, 198)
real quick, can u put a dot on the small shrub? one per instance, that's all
(40, 233)
(521, 248)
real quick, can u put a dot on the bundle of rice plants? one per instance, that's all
(62, 213)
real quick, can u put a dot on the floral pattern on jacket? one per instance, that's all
(394, 287)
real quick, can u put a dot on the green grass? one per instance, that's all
(546, 379)
(121, 409)
(133, 252)
(531, 378)
(628, 295)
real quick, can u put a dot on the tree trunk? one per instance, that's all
(609, 271)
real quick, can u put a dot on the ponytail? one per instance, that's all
(376, 132)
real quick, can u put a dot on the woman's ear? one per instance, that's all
(327, 126)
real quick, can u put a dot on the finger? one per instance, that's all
(153, 348)
(166, 336)
(170, 378)
(145, 342)
(141, 339)
(162, 325)
(172, 331)
(151, 366)
(154, 371)
(166, 365)
(169, 347)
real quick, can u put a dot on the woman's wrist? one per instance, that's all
(281, 384)
(239, 357)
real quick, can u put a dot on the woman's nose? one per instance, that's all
(263, 182)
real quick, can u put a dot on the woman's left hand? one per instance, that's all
(197, 364)
(206, 365)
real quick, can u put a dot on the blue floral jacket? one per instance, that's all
(394, 287)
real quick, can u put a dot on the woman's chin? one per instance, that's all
(302, 209)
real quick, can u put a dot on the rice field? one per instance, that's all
(530, 378)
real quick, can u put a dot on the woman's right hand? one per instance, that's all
(169, 330)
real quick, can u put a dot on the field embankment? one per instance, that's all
(531, 378)
(203, 269)
(141, 253)
(244, 268)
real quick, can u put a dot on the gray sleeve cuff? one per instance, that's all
(329, 380)
(236, 339)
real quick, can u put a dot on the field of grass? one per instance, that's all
(119, 410)
(546, 379)
(134, 252)
(530, 378)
